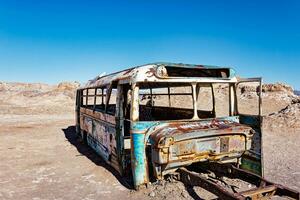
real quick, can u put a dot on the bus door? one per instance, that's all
(123, 127)
(249, 102)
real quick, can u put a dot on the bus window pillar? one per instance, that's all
(120, 126)
(232, 100)
(195, 116)
(139, 163)
(134, 103)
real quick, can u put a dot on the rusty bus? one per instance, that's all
(149, 120)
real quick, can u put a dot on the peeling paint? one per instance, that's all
(166, 146)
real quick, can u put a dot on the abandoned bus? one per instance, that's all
(151, 120)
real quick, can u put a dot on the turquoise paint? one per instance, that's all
(138, 152)
(230, 118)
(255, 163)
(142, 126)
(252, 166)
(232, 73)
(138, 160)
(250, 120)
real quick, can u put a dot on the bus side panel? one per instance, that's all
(101, 135)
(99, 139)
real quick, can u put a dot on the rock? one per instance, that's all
(271, 87)
(3, 86)
(184, 194)
(152, 194)
(287, 117)
(68, 85)
(277, 87)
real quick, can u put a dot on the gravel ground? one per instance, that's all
(41, 159)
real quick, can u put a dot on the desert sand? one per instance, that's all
(40, 157)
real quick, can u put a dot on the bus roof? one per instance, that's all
(165, 72)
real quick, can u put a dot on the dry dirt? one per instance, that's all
(40, 158)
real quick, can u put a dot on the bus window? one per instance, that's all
(221, 93)
(127, 103)
(165, 102)
(248, 98)
(83, 98)
(205, 101)
(111, 106)
(126, 109)
(100, 99)
(178, 95)
(90, 98)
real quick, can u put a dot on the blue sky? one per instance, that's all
(52, 41)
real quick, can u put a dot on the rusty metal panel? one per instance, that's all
(173, 144)
(101, 135)
(264, 189)
(157, 72)
(98, 115)
(176, 144)
(100, 139)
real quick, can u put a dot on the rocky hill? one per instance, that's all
(37, 98)
(287, 118)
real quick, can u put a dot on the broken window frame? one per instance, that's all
(195, 91)
(104, 96)
(169, 94)
(249, 80)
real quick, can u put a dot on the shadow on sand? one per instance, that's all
(88, 152)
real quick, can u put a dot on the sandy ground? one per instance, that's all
(42, 159)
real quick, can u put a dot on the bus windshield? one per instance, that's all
(174, 101)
